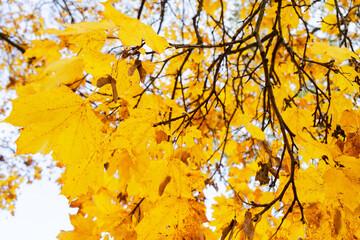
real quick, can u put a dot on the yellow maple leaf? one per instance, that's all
(191, 134)
(40, 50)
(310, 185)
(85, 228)
(97, 63)
(330, 5)
(132, 31)
(63, 71)
(225, 210)
(346, 79)
(82, 27)
(173, 218)
(255, 131)
(87, 35)
(329, 24)
(326, 51)
(341, 186)
(61, 121)
(165, 177)
(211, 6)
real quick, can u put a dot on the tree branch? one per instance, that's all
(17, 46)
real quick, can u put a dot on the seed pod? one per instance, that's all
(134, 67)
(113, 86)
(103, 81)
(106, 80)
(142, 73)
(163, 185)
(337, 221)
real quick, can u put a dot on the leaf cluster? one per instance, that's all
(260, 101)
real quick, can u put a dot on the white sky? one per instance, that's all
(40, 213)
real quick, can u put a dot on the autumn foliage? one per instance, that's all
(151, 104)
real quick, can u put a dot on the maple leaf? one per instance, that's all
(97, 63)
(84, 228)
(87, 35)
(225, 210)
(39, 50)
(83, 27)
(110, 215)
(64, 71)
(60, 121)
(333, 52)
(347, 189)
(132, 31)
(173, 217)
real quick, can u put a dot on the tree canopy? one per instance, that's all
(148, 105)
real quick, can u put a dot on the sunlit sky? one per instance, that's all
(40, 213)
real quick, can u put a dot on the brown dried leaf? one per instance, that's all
(266, 146)
(184, 157)
(229, 228)
(273, 172)
(248, 226)
(160, 136)
(352, 144)
(263, 174)
(340, 143)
